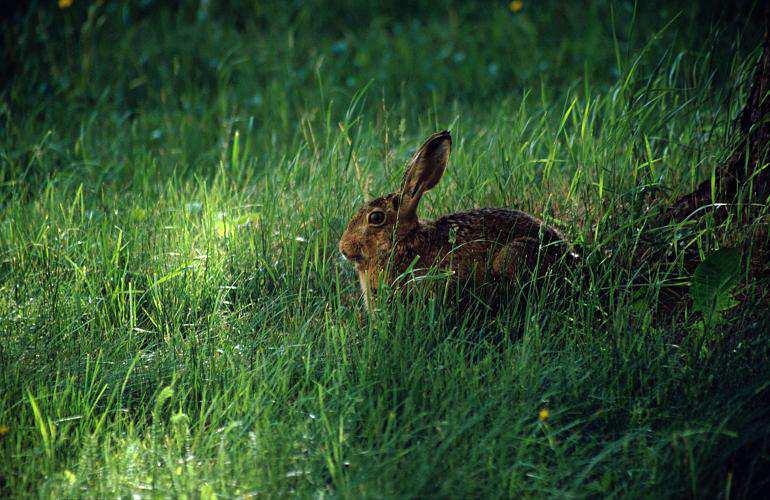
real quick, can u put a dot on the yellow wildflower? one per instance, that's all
(3, 431)
(515, 6)
(63, 4)
(543, 414)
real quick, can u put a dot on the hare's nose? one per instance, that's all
(355, 257)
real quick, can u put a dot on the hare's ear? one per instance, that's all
(424, 171)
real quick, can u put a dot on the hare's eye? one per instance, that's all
(376, 218)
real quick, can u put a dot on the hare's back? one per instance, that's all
(496, 224)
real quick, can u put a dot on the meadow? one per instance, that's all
(176, 319)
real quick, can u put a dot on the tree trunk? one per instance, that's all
(747, 166)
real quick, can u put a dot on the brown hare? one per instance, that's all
(385, 238)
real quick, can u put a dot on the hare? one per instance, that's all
(385, 238)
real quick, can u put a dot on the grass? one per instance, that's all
(176, 319)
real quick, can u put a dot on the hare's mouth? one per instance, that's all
(353, 257)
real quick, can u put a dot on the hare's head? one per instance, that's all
(382, 222)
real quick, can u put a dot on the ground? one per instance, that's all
(176, 318)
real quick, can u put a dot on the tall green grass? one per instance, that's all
(176, 319)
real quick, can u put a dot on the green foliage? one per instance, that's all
(175, 319)
(714, 280)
